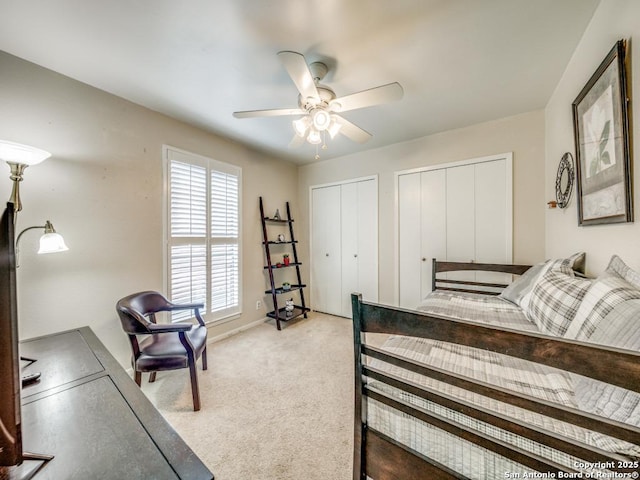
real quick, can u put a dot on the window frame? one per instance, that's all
(170, 153)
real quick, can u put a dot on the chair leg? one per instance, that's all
(138, 378)
(152, 377)
(195, 391)
(204, 358)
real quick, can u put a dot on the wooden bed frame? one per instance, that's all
(382, 458)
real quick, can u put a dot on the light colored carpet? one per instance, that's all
(276, 405)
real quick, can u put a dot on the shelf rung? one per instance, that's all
(282, 314)
(275, 220)
(274, 267)
(281, 290)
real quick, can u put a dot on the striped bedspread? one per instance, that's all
(491, 310)
(500, 370)
(464, 457)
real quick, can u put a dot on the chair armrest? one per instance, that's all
(189, 306)
(184, 306)
(169, 327)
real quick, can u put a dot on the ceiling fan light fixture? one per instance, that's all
(301, 126)
(321, 119)
(314, 137)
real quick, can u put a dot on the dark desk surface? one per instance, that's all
(87, 412)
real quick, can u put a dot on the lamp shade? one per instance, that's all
(301, 126)
(22, 154)
(51, 242)
(314, 137)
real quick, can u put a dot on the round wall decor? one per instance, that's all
(564, 180)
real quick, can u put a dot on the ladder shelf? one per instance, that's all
(300, 308)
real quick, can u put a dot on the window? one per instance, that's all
(203, 234)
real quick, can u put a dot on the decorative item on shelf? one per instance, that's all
(278, 265)
(285, 259)
(286, 286)
(276, 216)
(288, 307)
(603, 153)
(281, 238)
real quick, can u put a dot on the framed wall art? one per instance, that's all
(601, 130)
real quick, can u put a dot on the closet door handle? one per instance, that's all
(355, 255)
(326, 254)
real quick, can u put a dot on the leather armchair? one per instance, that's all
(167, 346)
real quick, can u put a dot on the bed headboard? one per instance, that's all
(461, 284)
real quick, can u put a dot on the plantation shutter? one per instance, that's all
(224, 241)
(203, 235)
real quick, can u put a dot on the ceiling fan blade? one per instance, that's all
(296, 141)
(367, 98)
(298, 70)
(269, 113)
(352, 131)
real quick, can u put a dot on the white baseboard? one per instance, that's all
(235, 331)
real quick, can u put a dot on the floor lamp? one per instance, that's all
(20, 465)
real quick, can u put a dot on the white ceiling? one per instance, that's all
(460, 62)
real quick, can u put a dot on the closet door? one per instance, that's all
(359, 242)
(367, 240)
(422, 220)
(492, 217)
(460, 218)
(326, 286)
(410, 262)
(349, 234)
(460, 213)
(433, 225)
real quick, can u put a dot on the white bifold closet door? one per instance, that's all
(326, 254)
(344, 245)
(460, 213)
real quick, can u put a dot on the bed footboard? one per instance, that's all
(381, 457)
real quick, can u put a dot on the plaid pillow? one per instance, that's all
(616, 265)
(574, 263)
(606, 291)
(556, 298)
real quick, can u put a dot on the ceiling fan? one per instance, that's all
(319, 105)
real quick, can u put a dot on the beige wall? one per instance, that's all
(613, 20)
(522, 134)
(102, 189)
